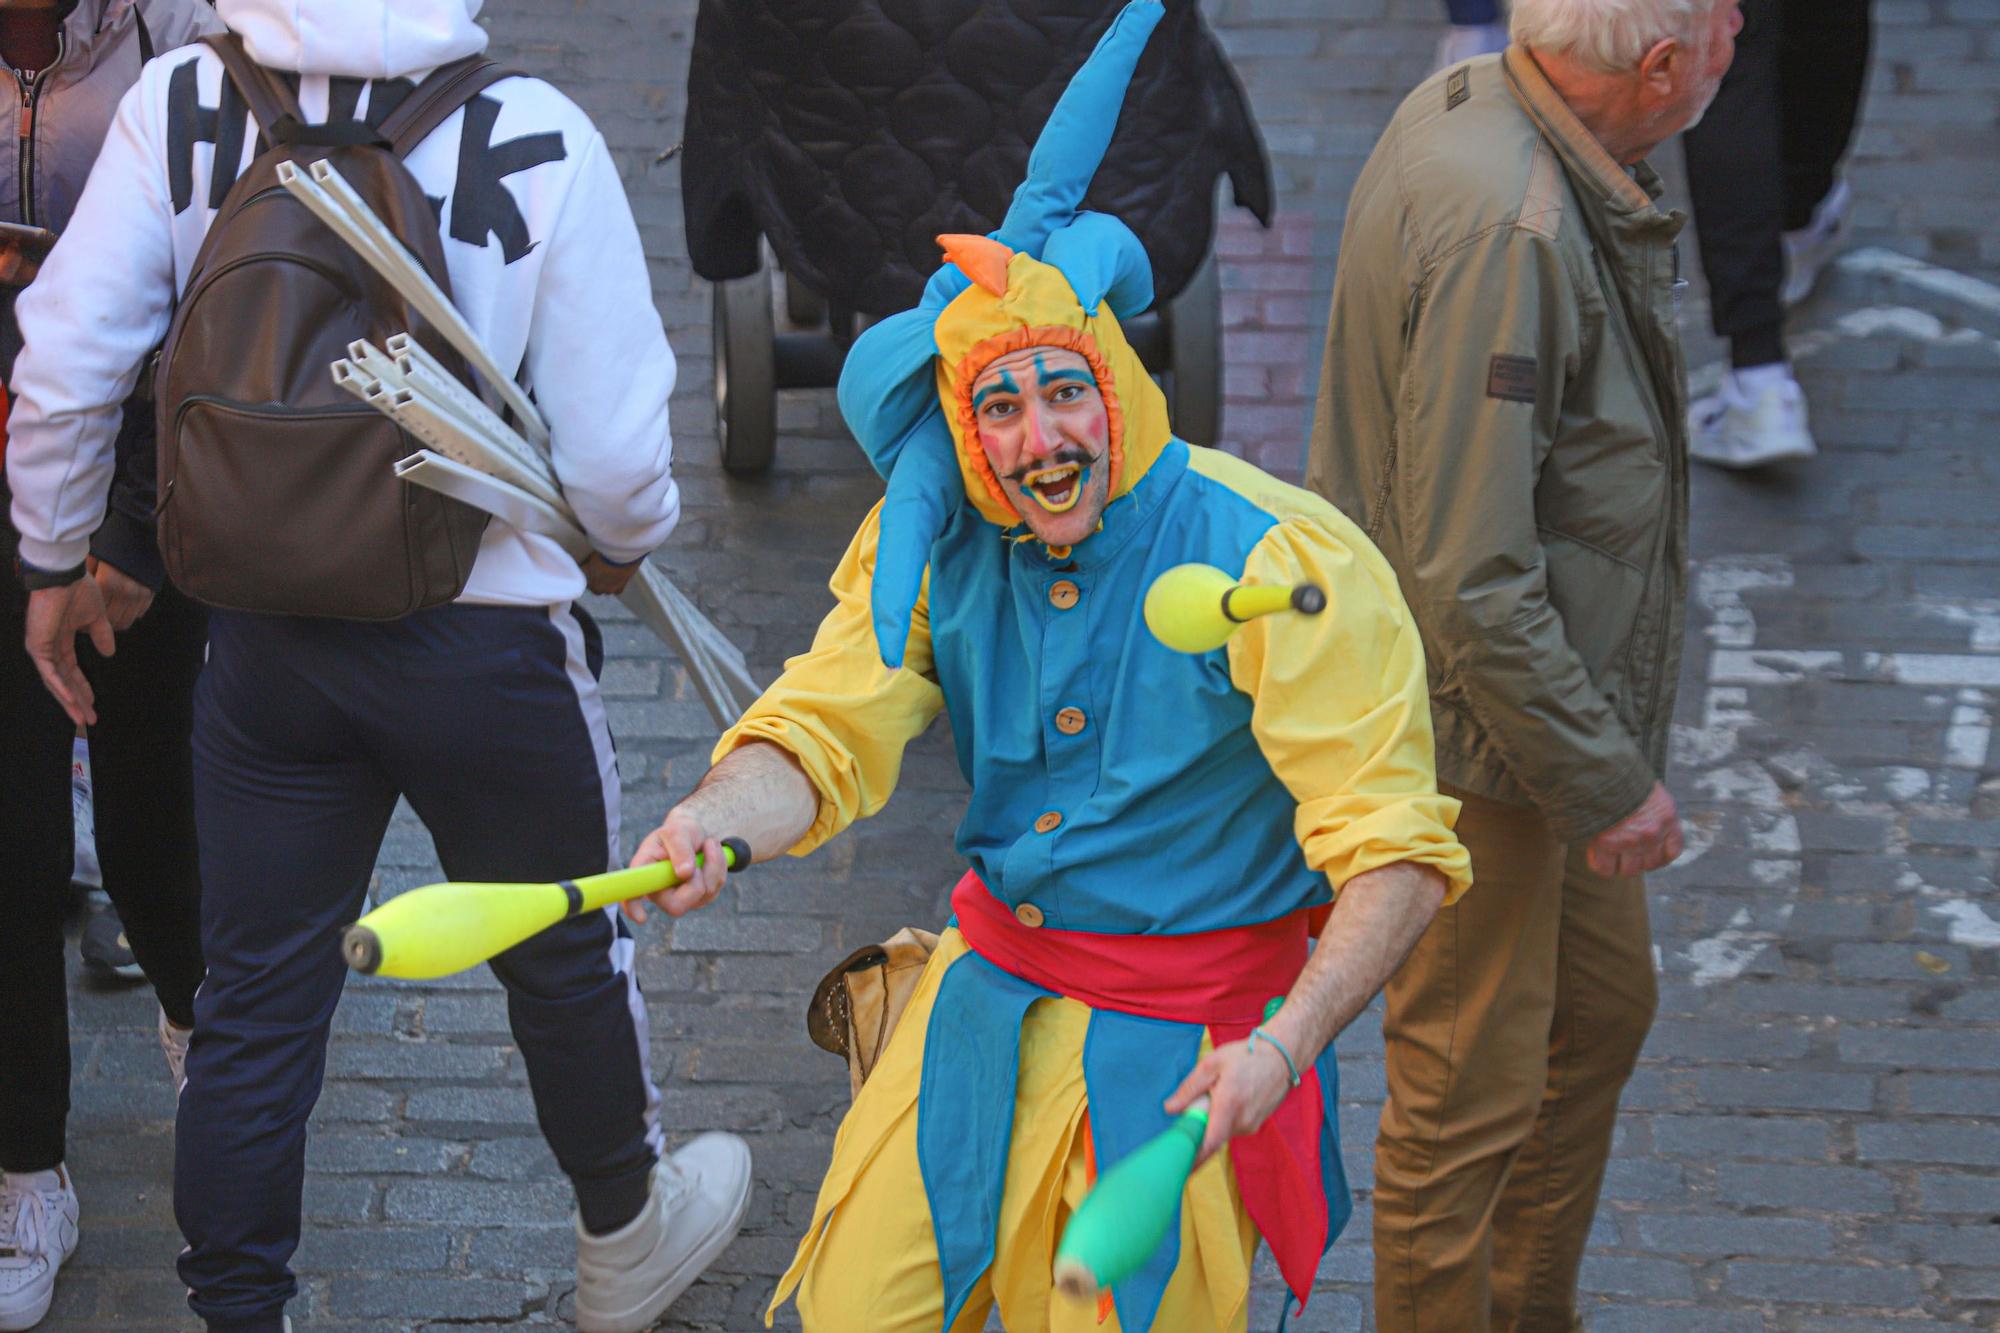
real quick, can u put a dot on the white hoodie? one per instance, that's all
(539, 241)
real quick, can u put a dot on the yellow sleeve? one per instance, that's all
(843, 715)
(1341, 709)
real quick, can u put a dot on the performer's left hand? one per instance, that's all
(1243, 1085)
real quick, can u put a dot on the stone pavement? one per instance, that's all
(1809, 1143)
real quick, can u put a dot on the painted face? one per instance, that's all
(1042, 423)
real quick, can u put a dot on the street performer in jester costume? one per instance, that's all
(1160, 843)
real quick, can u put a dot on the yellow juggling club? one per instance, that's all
(1195, 608)
(445, 928)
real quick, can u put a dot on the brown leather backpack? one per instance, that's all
(277, 489)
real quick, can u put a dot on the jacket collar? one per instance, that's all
(1623, 192)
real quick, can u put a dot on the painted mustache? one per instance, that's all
(1068, 456)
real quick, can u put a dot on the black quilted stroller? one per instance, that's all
(848, 134)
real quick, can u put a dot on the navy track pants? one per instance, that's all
(488, 719)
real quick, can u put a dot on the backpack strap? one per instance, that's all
(443, 91)
(146, 51)
(270, 100)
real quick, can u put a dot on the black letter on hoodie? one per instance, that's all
(480, 204)
(188, 122)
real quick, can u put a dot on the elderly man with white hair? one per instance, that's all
(1503, 410)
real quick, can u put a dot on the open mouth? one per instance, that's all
(1055, 489)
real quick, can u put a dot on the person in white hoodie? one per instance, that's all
(484, 713)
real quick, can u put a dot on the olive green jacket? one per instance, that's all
(1503, 409)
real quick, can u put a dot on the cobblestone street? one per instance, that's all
(1812, 1141)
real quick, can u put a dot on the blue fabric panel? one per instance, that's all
(965, 1114)
(1339, 1200)
(1130, 1066)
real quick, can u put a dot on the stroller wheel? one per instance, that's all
(1194, 356)
(746, 395)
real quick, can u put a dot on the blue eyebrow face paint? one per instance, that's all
(1062, 373)
(1005, 384)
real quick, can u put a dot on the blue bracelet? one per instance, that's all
(1291, 1065)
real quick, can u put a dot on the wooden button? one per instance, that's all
(1063, 594)
(1069, 721)
(1028, 914)
(1059, 553)
(1049, 822)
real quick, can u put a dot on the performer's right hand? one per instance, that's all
(1243, 1087)
(677, 839)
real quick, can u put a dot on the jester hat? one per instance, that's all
(1053, 275)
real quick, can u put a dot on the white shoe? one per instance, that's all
(174, 1045)
(1809, 249)
(1759, 418)
(37, 1233)
(626, 1280)
(1463, 41)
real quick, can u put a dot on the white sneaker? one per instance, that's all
(626, 1280)
(174, 1045)
(38, 1215)
(1809, 249)
(1463, 41)
(1759, 418)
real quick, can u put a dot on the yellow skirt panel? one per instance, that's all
(868, 1262)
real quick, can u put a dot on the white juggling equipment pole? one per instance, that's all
(477, 457)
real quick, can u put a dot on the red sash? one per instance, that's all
(1220, 979)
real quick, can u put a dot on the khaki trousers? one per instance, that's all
(1510, 1033)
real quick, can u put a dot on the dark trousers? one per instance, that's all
(488, 719)
(141, 780)
(1765, 155)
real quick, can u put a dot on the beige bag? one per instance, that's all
(857, 1005)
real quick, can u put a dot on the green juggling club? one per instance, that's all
(1125, 1216)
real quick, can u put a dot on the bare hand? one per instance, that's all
(125, 598)
(1646, 839)
(55, 617)
(677, 839)
(601, 576)
(1244, 1087)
